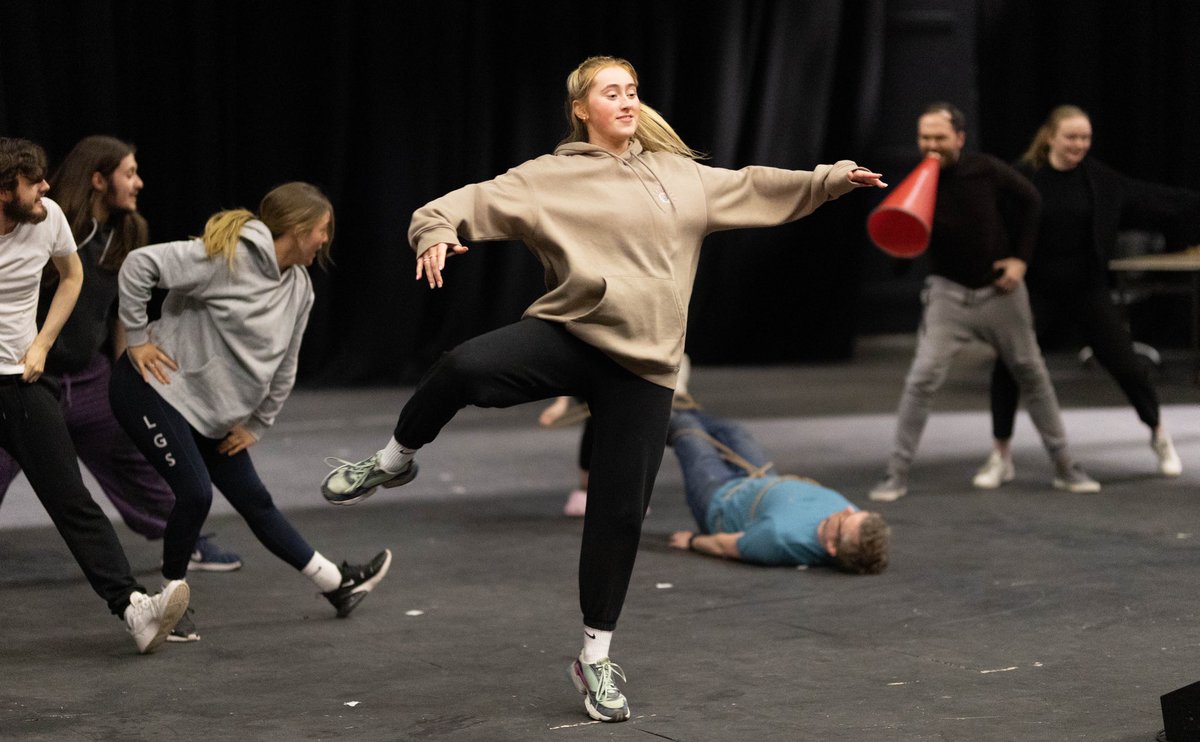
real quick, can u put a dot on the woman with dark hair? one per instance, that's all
(1084, 203)
(200, 386)
(616, 216)
(97, 186)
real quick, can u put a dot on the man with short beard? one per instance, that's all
(34, 231)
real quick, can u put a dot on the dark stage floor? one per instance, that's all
(1018, 614)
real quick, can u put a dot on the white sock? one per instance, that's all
(395, 457)
(324, 573)
(595, 644)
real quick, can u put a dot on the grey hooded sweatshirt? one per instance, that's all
(234, 333)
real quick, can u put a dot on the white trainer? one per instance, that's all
(995, 471)
(1072, 478)
(892, 488)
(150, 618)
(1169, 464)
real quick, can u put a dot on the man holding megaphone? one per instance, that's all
(984, 228)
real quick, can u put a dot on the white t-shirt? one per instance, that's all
(24, 252)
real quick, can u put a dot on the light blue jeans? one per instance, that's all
(705, 470)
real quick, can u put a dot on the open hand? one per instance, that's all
(431, 262)
(149, 359)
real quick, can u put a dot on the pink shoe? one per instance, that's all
(576, 504)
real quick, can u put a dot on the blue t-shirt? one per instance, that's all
(779, 516)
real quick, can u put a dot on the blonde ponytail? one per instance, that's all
(291, 207)
(656, 135)
(222, 232)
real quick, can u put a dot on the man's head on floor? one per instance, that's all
(858, 540)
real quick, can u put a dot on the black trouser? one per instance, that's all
(534, 359)
(191, 465)
(1090, 310)
(33, 432)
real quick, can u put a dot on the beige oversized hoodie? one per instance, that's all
(619, 236)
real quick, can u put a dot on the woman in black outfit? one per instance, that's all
(1084, 203)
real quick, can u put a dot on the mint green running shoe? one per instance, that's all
(595, 681)
(351, 481)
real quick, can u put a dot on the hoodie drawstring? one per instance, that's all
(662, 198)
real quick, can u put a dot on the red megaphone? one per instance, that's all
(900, 226)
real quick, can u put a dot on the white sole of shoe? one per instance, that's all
(370, 584)
(213, 566)
(991, 484)
(177, 603)
(890, 496)
(1076, 489)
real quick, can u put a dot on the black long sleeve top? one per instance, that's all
(986, 211)
(1117, 201)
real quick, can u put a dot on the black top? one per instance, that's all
(1117, 202)
(985, 212)
(87, 329)
(1065, 252)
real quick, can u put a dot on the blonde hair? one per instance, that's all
(653, 131)
(291, 206)
(1038, 153)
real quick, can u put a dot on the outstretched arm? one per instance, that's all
(864, 177)
(722, 545)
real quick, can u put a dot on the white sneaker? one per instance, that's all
(1072, 478)
(995, 471)
(892, 488)
(150, 619)
(576, 504)
(1169, 464)
(685, 375)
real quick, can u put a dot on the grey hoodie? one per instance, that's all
(235, 334)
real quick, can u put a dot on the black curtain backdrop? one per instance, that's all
(1134, 67)
(386, 105)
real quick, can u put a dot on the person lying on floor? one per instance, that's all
(744, 511)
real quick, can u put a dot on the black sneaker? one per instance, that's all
(185, 630)
(357, 581)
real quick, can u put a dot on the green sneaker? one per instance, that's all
(595, 681)
(351, 481)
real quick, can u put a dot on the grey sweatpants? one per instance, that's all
(953, 316)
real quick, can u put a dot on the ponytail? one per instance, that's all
(222, 232)
(656, 135)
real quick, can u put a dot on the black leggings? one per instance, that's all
(33, 432)
(534, 359)
(1101, 326)
(192, 465)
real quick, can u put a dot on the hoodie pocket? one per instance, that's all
(222, 392)
(639, 320)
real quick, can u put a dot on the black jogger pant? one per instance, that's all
(34, 433)
(532, 360)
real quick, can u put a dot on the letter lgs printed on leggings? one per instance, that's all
(160, 441)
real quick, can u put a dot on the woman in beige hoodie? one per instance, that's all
(616, 216)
